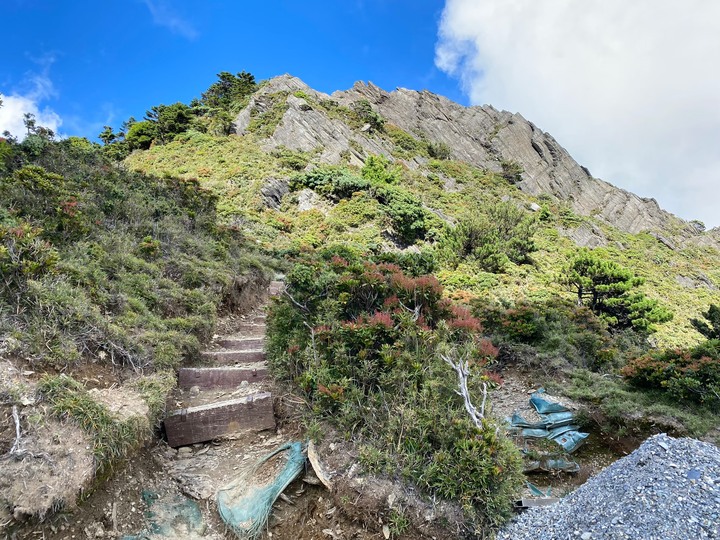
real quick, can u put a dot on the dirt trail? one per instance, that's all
(182, 482)
(159, 476)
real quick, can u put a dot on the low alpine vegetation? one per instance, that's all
(369, 343)
(101, 264)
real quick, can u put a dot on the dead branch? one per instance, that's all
(415, 311)
(16, 417)
(312, 341)
(462, 371)
(297, 304)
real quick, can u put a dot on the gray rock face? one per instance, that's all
(586, 235)
(304, 128)
(481, 136)
(273, 191)
(486, 137)
(309, 200)
(699, 281)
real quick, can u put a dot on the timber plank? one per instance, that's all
(240, 344)
(220, 377)
(252, 330)
(208, 422)
(533, 503)
(233, 357)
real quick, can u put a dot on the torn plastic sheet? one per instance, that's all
(556, 425)
(537, 491)
(571, 440)
(245, 504)
(550, 421)
(543, 406)
(170, 517)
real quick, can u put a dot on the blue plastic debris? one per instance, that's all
(543, 406)
(170, 517)
(245, 504)
(556, 425)
(537, 491)
(571, 440)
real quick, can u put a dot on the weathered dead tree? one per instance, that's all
(463, 372)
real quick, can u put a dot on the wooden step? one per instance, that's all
(220, 377)
(252, 330)
(208, 422)
(255, 319)
(224, 358)
(242, 344)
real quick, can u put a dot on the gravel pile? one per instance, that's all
(666, 489)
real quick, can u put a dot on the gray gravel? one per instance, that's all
(666, 489)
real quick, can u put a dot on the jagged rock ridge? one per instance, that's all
(481, 136)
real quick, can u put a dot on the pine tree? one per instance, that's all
(712, 330)
(609, 290)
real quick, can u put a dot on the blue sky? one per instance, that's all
(627, 88)
(96, 63)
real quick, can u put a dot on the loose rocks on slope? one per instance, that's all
(667, 488)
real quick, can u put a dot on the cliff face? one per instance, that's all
(481, 136)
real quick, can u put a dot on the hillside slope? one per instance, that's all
(454, 161)
(481, 136)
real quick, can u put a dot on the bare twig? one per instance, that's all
(298, 304)
(16, 417)
(462, 371)
(312, 340)
(415, 311)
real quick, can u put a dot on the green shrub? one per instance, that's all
(291, 159)
(608, 289)
(556, 329)
(493, 236)
(692, 374)
(141, 135)
(263, 123)
(409, 220)
(365, 114)
(24, 256)
(229, 90)
(406, 145)
(512, 171)
(439, 150)
(362, 339)
(99, 263)
(710, 327)
(379, 171)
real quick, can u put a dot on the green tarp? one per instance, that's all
(170, 517)
(245, 504)
(556, 424)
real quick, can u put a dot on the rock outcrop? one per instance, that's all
(481, 136)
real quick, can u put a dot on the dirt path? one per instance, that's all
(182, 482)
(176, 487)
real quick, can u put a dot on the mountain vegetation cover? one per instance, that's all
(400, 265)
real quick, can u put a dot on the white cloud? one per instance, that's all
(164, 15)
(15, 105)
(629, 88)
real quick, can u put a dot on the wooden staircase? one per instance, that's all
(229, 395)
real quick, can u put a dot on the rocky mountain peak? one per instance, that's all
(482, 136)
